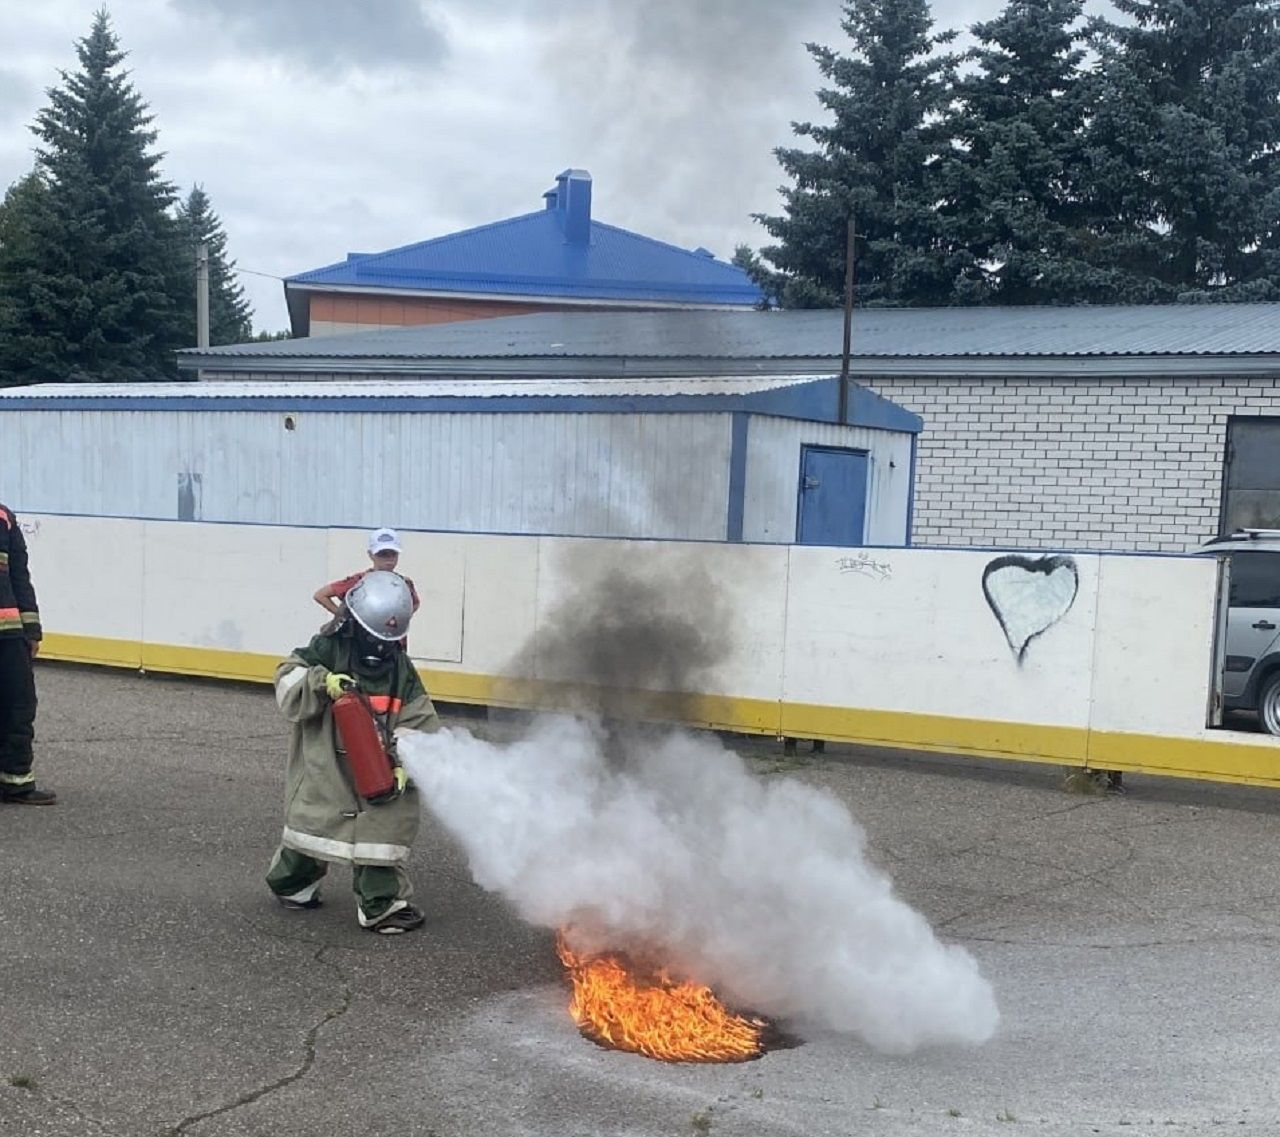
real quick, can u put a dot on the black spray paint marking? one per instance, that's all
(864, 565)
(1029, 595)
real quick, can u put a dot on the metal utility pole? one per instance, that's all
(851, 233)
(202, 295)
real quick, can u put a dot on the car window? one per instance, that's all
(1255, 580)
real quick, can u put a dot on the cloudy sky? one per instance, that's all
(320, 127)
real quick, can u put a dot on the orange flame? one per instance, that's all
(653, 1015)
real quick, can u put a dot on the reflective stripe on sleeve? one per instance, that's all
(287, 682)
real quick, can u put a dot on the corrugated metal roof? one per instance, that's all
(1083, 332)
(813, 399)
(415, 389)
(529, 256)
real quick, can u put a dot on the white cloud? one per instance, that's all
(319, 128)
(330, 37)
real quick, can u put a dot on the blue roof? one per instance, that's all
(559, 251)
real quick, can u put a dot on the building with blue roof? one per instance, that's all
(557, 259)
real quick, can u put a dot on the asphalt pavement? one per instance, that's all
(151, 986)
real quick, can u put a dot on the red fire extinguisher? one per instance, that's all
(361, 745)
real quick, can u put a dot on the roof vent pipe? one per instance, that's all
(573, 199)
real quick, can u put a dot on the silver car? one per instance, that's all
(1251, 656)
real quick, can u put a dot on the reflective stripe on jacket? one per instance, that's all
(19, 614)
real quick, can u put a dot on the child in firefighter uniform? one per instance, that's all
(325, 819)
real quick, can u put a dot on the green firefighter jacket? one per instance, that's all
(324, 818)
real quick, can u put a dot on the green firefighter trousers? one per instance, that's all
(377, 887)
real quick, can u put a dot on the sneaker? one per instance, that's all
(401, 920)
(299, 905)
(27, 795)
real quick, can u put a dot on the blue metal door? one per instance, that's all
(833, 496)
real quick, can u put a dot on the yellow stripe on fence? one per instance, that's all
(1220, 756)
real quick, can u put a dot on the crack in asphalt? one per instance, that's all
(1096, 876)
(1031, 819)
(1074, 877)
(1038, 890)
(308, 1055)
(1123, 853)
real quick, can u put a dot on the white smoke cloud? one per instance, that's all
(760, 889)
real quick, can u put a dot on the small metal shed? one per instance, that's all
(718, 459)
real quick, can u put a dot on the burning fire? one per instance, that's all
(649, 1013)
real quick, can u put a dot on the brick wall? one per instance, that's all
(1127, 464)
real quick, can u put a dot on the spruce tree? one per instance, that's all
(20, 203)
(230, 316)
(1007, 185)
(18, 252)
(872, 162)
(1182, 150)
(88, 293)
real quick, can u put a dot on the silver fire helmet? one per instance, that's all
(382, 604)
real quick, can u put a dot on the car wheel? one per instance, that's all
(1269, 704)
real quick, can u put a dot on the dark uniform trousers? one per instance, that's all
(17, 709)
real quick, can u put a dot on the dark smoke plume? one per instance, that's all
(639, 631)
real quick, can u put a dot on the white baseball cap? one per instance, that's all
(380, 540)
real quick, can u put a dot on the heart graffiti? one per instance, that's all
(1029, 595)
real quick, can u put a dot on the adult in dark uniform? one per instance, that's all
(20, 636)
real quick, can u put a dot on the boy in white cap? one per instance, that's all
(384, 553)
